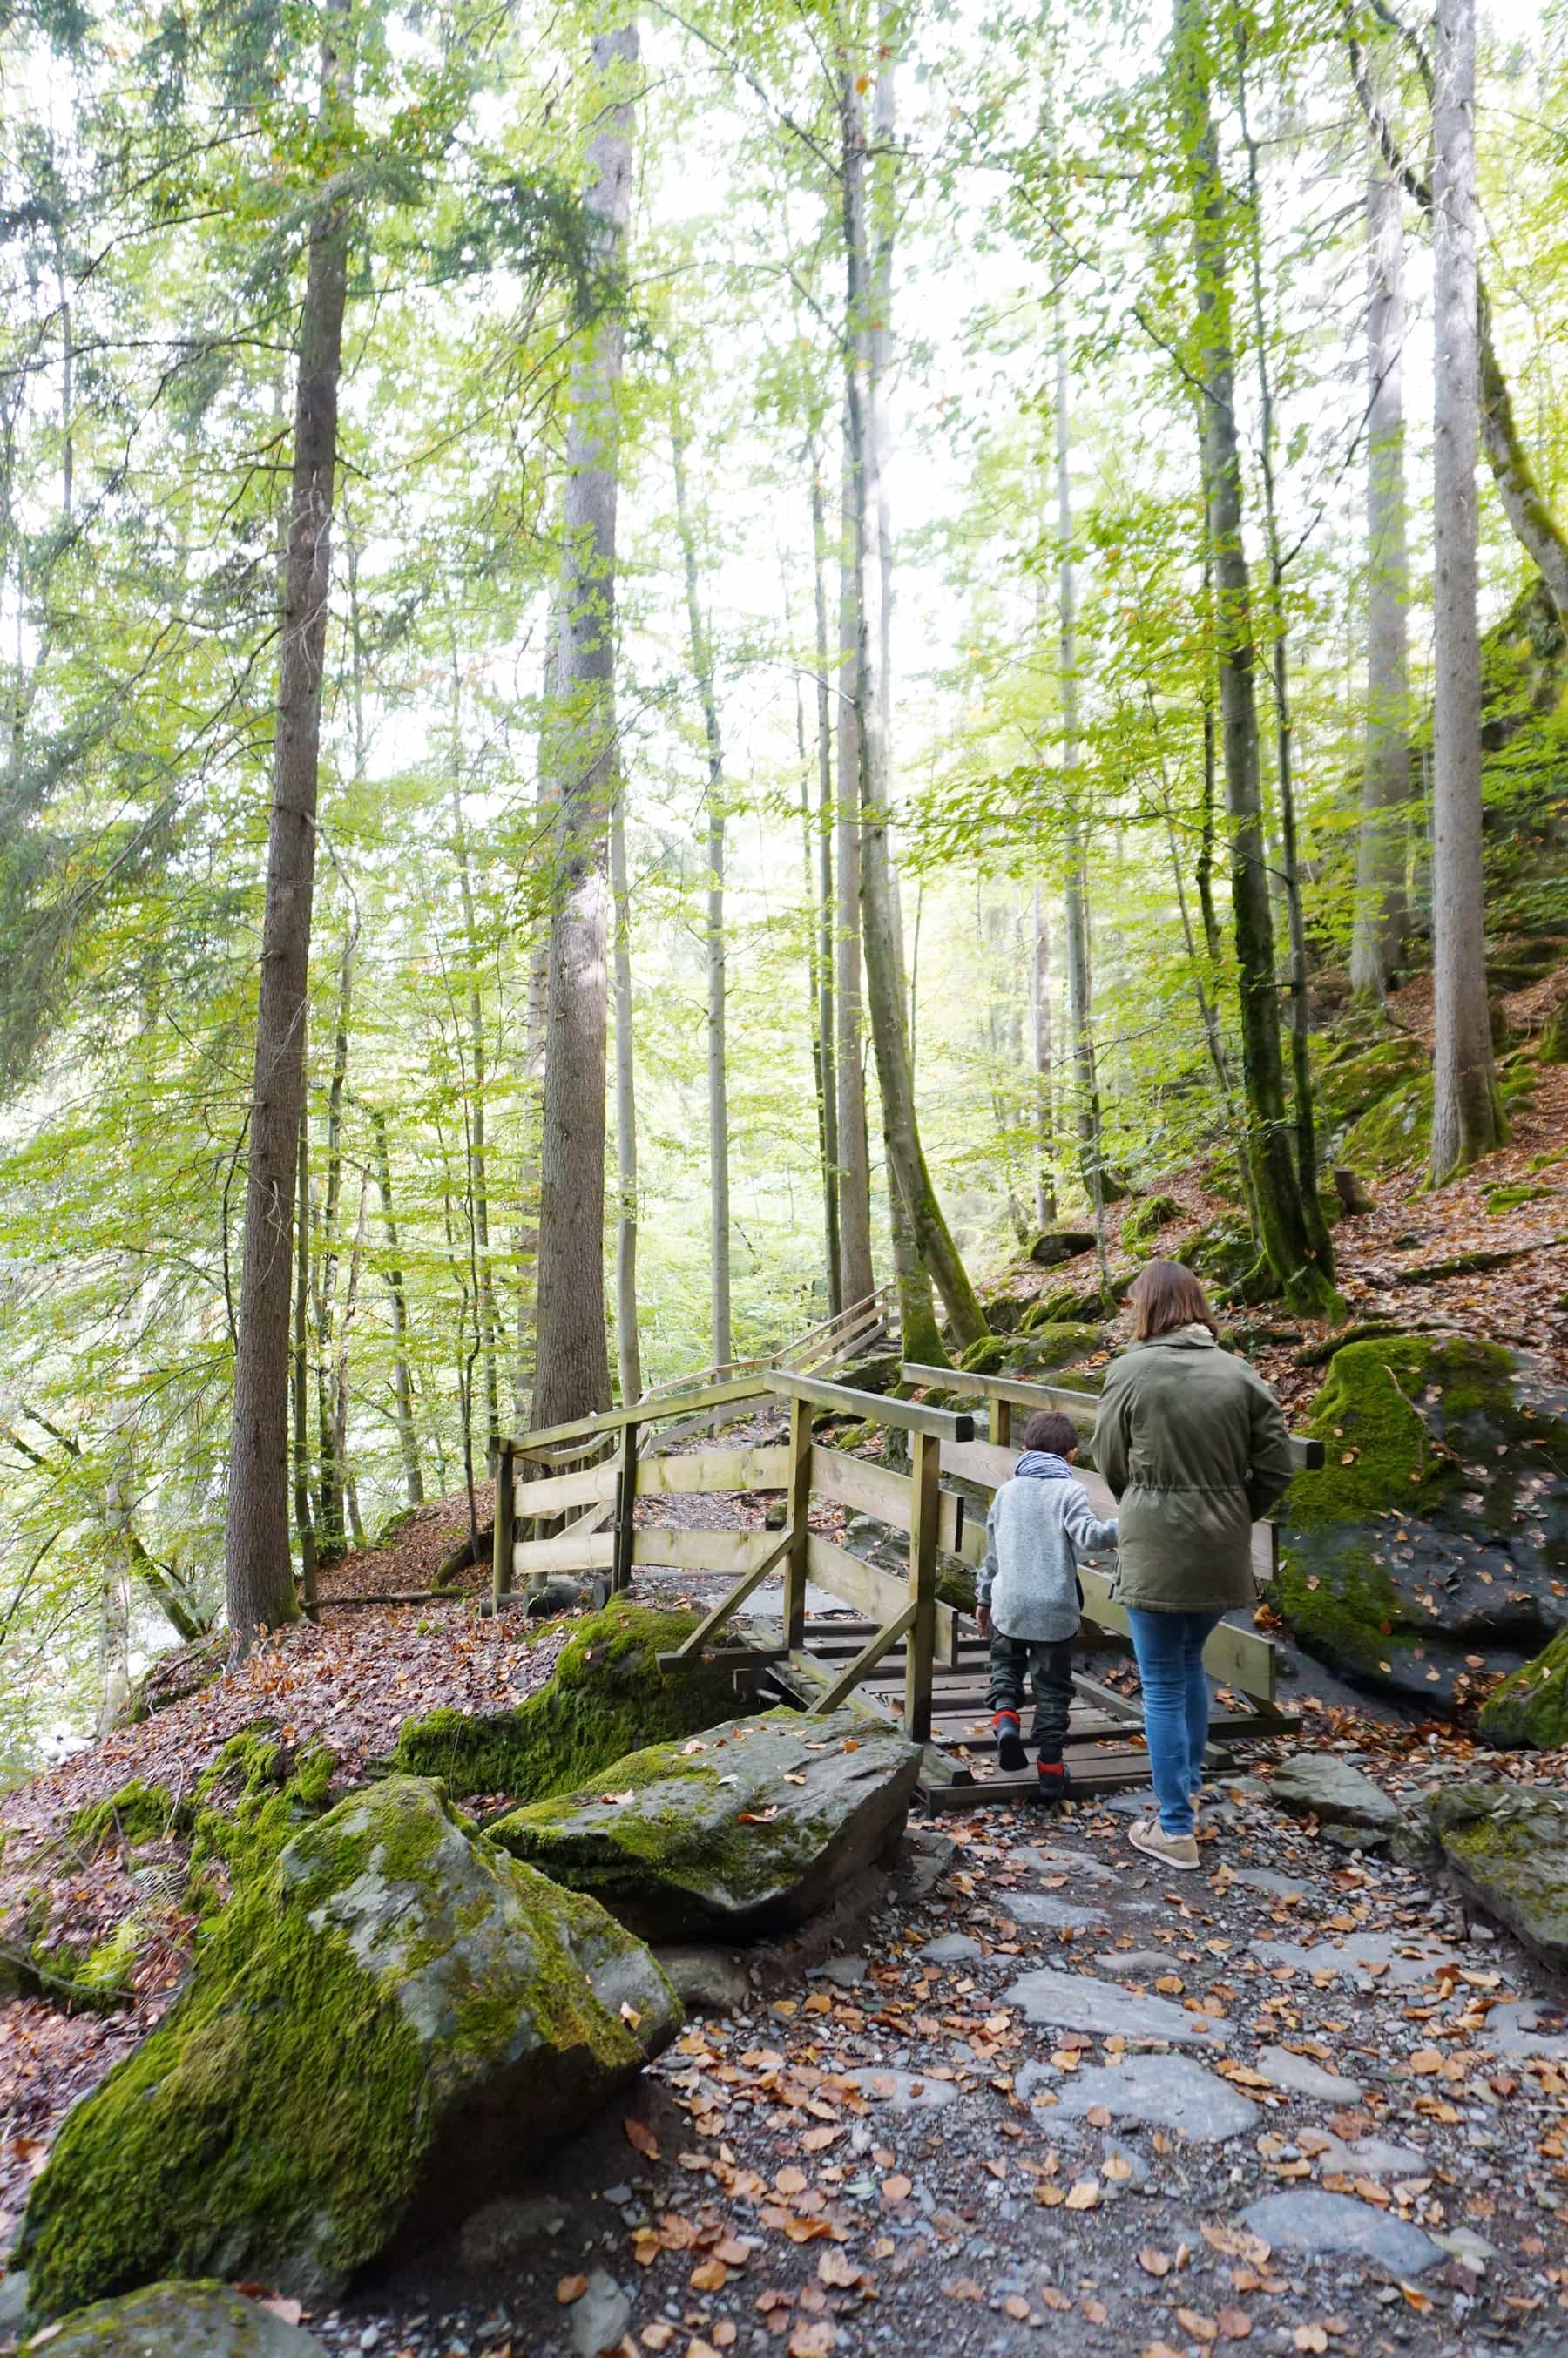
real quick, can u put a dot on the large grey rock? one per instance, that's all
(1310, 2221)
(1506, 1845)
(1298, 2075)
(1167, 2092)
(1079, 2001)
(707, 1978)
(1333, 1789)
(380, 2033)
(751, 1828)
(179, 2320)
(951, 1949)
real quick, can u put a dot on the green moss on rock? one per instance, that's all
(139, 1812)
(1531, 1707)
(1349, 1084)
(1143, 1223)
(255, 1797)
(608, 1697)
(1394, 1133)
(1044, 1346)
(382, 2022)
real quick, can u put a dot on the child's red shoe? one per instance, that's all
(1009, 1752)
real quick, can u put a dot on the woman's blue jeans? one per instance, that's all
(1169, 1647)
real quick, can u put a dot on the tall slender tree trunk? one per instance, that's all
(340, 1372)
(1467, 1113)
(718, 1091)
(1304, 1273)
(879, 908)
(854, 1146)
(1378, 939)
(1080, 1005)
(1284, 726)
(1040, 1043)
(478, 1122)
(402, 1377)
(827, 1064)
(628, 1345)
(303, 1522)
(572, 1363)
(533, 1091)
(258, 1569)
(326, 1273)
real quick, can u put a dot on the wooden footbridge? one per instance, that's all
(890, 1645)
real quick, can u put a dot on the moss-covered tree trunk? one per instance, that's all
(1304, 1273)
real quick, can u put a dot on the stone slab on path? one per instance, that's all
(1531, 2026)
(903, 2091)
(1164, 2091)
(198, 2320)
(1081, 2002)
(600, 2317)
(1352, 1955)
(1273, 1885)
(1308, 2220)
(1298, 2075)
(1054, 1913)
(1366, 2158)
(1327, 1786)
(1068, 1862)
(951, 1949)
(1134, 1964)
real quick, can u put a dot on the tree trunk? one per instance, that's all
(1080, 1016)
(880, 928)
(628, 1346)
(340, 1372)
(258, 1570)
(1040, 1038)
(1466, 1115)
(827, 1064)
(1378, 939)
(1305, 1279)
(402, 1378)
(718, 1096)
(478, 1165)
(572, 1363)
(1527, 509)
(303, 1522)
(331, 1479)
(533, 1090)
(1284, 727)
(854, 1146)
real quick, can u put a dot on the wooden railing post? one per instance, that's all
(625, 1511)
(501, 1572)
(1001, 1423)
(797, 1516)
(924, 1465)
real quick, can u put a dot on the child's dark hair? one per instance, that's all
(1049, 1429)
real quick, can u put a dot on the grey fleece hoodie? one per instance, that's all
(1039, 1525)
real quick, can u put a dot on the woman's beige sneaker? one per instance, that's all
(1179, 1851)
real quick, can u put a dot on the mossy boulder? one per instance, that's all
(1394, 1133)
(750, 1829)
(253, 1799)
(1054, 1245)
(1506, 1846)
(1350, 1082)
(1530, 1708)
(1499, 1200)
(608, 1696)
(139, 1812)
(1144, 1221)
(1224, 1255)
(1055, 1345)
(1431, 1546)
(179, 2320)
(382, 2028)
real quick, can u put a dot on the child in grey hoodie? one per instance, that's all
(1029, 1595)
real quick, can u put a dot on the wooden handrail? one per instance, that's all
(909, 1416)
(1306, 1453)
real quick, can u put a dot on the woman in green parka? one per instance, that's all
(1194, 1446)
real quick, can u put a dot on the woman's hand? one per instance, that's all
(983, 1620)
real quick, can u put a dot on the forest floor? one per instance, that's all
(769, 2201)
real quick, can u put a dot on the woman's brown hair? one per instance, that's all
(1164, 1296)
